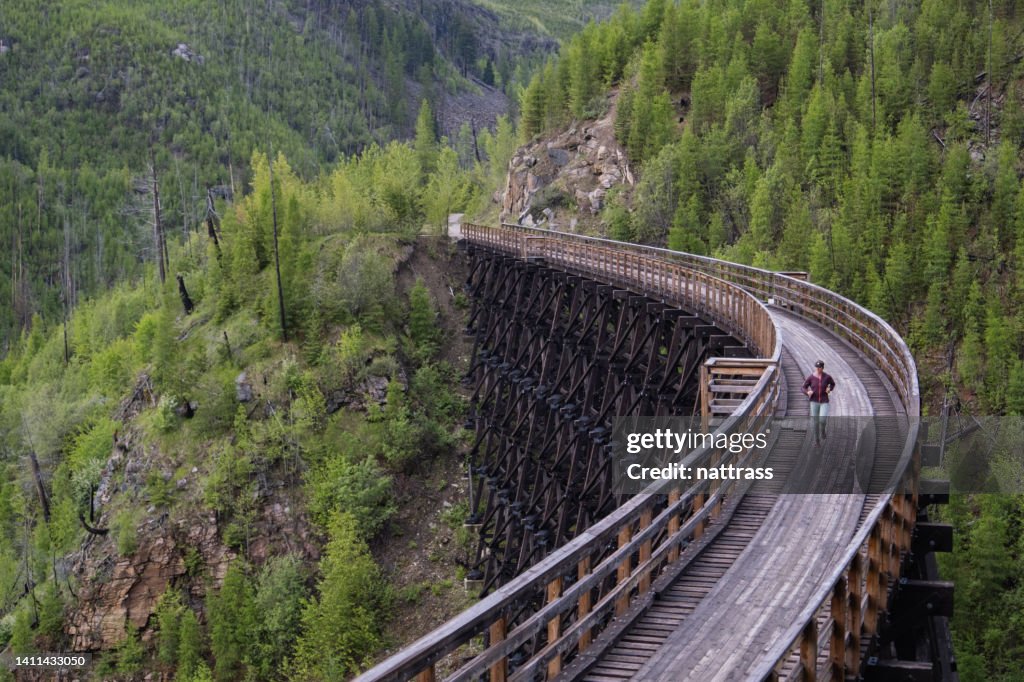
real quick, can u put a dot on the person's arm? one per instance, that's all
(830, 384)
(807, 384)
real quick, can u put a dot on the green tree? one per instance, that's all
(168, 618)
(447, 191)
(426, 139)
(190, 645)
(233, 619)
(280, 590)
(422, 319)
(340, 627)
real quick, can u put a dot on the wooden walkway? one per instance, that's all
(743, 591)
(740, 584)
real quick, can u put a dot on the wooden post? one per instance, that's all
(874, 570)
(809, 650)
(673, 525)
(705, 397)
(583, 606)
(554, 628)
(645, 551)
(625, 568)
(837, 640)
(499, 671)
(853, 583)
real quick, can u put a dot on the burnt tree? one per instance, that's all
(186, 300)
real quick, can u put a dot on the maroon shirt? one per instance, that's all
(820, 386)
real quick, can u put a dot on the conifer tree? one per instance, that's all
(426, 139)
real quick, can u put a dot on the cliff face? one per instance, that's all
(179, 546)
(115, 592)
(563, 181)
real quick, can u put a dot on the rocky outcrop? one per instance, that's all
(180, 546)
(551, 180)
(115, 592)
(183, 51)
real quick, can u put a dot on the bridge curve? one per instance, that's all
(712, 581)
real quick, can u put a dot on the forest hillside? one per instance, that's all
(97, 98)
(875, 145)
(230, 402)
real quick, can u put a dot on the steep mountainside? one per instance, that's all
(92, 95)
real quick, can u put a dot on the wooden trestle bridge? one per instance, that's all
(707, 580)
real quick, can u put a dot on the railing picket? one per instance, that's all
(625, 568)
(554, 627)
(809, 651)
(499, 671)
(584, 604)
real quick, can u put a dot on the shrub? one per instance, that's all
(215, 396)
(359, 487)
(164, 417)
(124, 532)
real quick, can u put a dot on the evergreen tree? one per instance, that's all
(190, 645)
(426, 139)
(339, 627)
(1004, 195)
(233, 621)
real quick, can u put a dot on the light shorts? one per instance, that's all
(819, 409)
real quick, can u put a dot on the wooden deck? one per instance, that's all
(739, 595)
(716, 583)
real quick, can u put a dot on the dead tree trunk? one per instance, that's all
(277, 254)
(158, 237)
(212, 221)
(186, 302)
(44, 501)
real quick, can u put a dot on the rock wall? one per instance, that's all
(179, 547)
(557, 180)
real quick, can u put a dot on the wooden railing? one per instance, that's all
(865, 331)
(557, 607)
(733, 308)
(853, 598)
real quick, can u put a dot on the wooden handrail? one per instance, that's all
(860, 327)
(650, 527)
(646, 526)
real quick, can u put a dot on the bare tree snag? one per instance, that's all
(277, 254)
(871, 40)
(186, 301)
(44, 501)
(227, 346)
(212, 221)
(158, 237)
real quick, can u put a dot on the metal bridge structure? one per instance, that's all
(697, 580)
